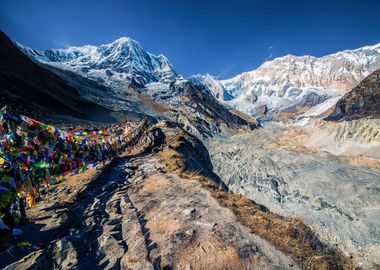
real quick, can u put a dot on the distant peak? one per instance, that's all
(371, 47)
(212, 77)
(125, 40)
(163, 57)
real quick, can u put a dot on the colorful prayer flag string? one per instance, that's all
(32, 153)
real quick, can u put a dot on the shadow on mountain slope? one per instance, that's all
(361, 101)
(37, 92)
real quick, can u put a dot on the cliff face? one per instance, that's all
(362, 101)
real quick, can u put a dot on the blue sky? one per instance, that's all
(223, 38)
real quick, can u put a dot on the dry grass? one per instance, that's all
(362, 161)
(162, 225)
(327, 112)
(246, 117)
(296, 139)
(292, 236)
(156, 106)
(284, 116)
(74, 184)
(154, 184)
(292, 139)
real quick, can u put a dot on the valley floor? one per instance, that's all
(337, 195)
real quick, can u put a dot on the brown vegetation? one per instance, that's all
(246, 117)
(285, 115)
(151, 103)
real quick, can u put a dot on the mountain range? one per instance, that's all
(286, 86)
(122, 80)
(292, 82)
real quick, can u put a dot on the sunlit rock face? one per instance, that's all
(362, 101)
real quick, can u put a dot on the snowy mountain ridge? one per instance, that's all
(289, 80)
(303, 71)
(112, 64)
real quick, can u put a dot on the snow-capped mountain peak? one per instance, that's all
(123, 40)
(115, 63)
(210, 83)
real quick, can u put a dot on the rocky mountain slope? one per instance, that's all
(198, 112)
(122, 76)
(211, 84)
(362, 101)
(38, 92)
(283, 88)
(288, 82)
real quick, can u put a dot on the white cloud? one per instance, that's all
(225, 71)
(270, 52)
(61, 44)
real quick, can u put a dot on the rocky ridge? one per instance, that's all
(276, 177)
(363, 100)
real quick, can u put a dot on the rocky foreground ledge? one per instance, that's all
(164, 208)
